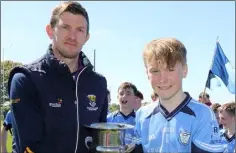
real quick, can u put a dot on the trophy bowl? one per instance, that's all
(108, 137)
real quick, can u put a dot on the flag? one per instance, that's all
(223, 69)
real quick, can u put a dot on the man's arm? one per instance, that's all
(27, 115)
(206, 138)
(103, 115)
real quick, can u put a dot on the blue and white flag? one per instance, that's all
(223, 69)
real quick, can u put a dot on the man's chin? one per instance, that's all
(70, 55)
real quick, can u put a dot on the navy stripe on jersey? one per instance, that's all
(188, 111)
(229, 139)
(132, 114)
(182, 107)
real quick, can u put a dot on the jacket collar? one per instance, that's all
(60, 66)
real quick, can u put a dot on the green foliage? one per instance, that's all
(6, 67)
(113, 107)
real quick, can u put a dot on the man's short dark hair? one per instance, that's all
(72, 7)
(139, 94)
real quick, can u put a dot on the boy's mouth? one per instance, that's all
(165, 87)
(124, 101)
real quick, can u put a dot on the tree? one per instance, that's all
(113, 107)
(6, 67)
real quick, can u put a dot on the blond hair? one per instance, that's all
(229, 108)
(169, 51)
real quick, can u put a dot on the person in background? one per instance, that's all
(138, 102)
(215, 107)
(8, 126)
(227, 119)
(126, 97)
(204, 98)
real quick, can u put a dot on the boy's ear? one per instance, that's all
(147, 74)
(185, 70)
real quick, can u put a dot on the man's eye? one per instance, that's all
(81, 30)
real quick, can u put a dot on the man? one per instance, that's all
(126, 97)
(8, 126)
(227, 119)
(54, 97)
(205, 98)
(138, 102)
(177, 123)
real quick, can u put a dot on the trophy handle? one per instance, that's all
(129, 148)
(88, 140)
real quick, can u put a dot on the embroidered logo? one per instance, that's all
(92, 103)
(58, 104)
(184, 137)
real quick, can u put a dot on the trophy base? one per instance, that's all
(102, 149)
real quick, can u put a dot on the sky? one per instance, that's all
(119, 32)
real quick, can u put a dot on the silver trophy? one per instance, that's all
(109, 138)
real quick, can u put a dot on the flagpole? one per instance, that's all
(217, 40)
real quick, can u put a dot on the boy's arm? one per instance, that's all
(27, 115)
(206, 138)
(137, 131)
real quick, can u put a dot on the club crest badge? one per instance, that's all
(184, 137)
(92, 103)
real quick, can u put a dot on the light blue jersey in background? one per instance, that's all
(119, 117)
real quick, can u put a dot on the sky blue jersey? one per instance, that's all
(229, 142)
(8, 118)
(119, 117)
(191, 127)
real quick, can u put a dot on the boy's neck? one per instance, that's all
(125, 111)
(231, 131)
(174, 101)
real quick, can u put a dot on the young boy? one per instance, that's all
(215, 108)
(177, 123)
(126, 97)
(227, 119)
(138, 102)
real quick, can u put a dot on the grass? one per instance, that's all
(9, 141)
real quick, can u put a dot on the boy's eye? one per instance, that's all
(154, 71)
(171, 69)
(65, 27)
